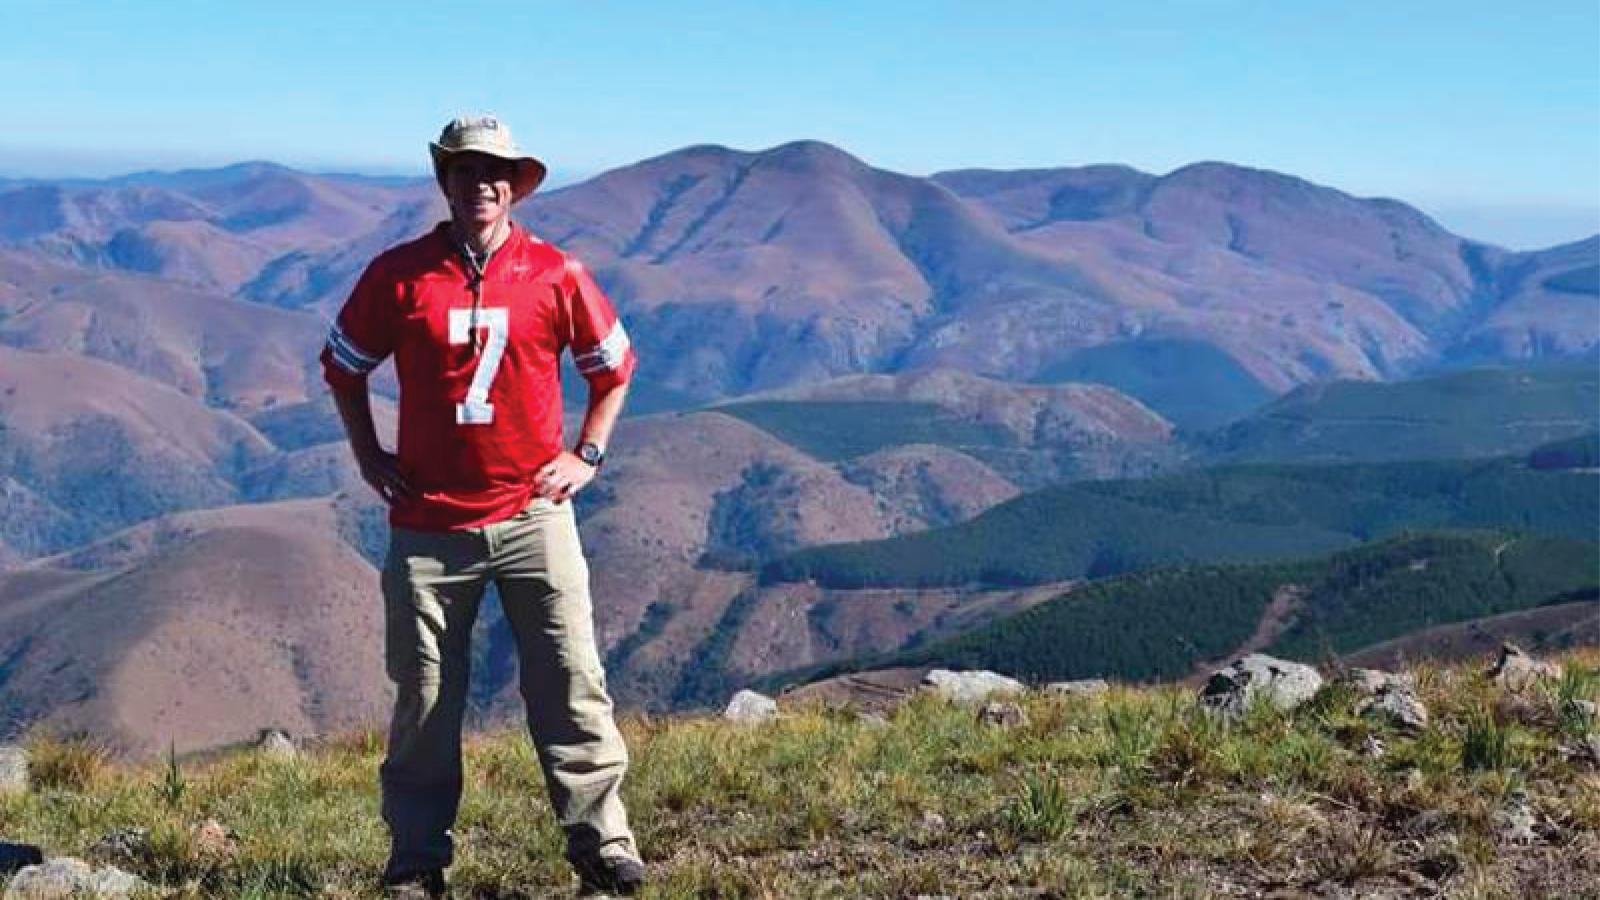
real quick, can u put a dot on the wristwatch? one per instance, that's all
(590, 453)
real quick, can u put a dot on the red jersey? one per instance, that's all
(480, 389)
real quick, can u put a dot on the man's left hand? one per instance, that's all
(563, 476)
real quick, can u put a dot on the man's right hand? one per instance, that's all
(381, 470)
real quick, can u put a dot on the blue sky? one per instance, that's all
(1484, 114)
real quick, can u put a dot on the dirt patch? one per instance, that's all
(879, 691)
(1280, 613)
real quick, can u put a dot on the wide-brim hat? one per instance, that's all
(491, 137)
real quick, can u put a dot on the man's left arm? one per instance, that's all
(567, 474)
(605, 358)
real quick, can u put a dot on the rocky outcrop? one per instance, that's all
(1517, 672)
(66, 878)
(749, 707)
(1284, 684)
(969, 688)
(1387, 696)
(275, 743)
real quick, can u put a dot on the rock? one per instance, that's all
(1392, 697)
(1087, 687)
(1285, 684)
(1402, 708)
(66, 878)
(1586, 710)
(275, 743)
(13, 769)
(1584, 751)
(17, 856)
(1516, 671)
(969, 688)
(749, 707)
(1003, 714)
(1373, 747)
(1514, 822)
(931, 822)
(1372, 682)
(124, 845)
(212, 841)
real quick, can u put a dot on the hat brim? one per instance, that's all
(527, 177)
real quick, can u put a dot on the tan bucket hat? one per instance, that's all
(488, 135)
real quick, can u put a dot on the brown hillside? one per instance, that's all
(213, 229)
(223, 352)
(222, 626)
(1543, 629)
(106, 448)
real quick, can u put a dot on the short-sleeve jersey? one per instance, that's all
(480, 391)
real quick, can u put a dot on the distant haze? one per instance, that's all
(1518, 227)
(1513, 226)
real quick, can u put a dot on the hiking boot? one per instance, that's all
(616, 876)
(427, 885)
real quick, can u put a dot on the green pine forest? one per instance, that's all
(1162, 624)
(1231, 514)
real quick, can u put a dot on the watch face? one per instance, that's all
(589, 453)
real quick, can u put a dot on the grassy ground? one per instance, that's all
(1131, 793)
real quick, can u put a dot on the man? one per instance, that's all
(476, 314)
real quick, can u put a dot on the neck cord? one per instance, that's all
(476, 270)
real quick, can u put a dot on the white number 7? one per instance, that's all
(475, 409)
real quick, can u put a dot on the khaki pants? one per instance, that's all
(432, 583)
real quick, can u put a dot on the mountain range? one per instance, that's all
(830, 352)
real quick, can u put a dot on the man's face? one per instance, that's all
(478, 188)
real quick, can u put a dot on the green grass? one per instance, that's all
(1134, 792)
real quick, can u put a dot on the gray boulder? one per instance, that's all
(13, 769)
(970, 688)
(748, 707)
(1285, 684)
(66, 878)
(1517, 672)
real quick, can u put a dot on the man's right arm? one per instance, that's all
(379, 468)
(360, 338)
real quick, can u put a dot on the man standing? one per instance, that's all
(476, 314)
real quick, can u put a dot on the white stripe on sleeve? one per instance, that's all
(606, 355)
